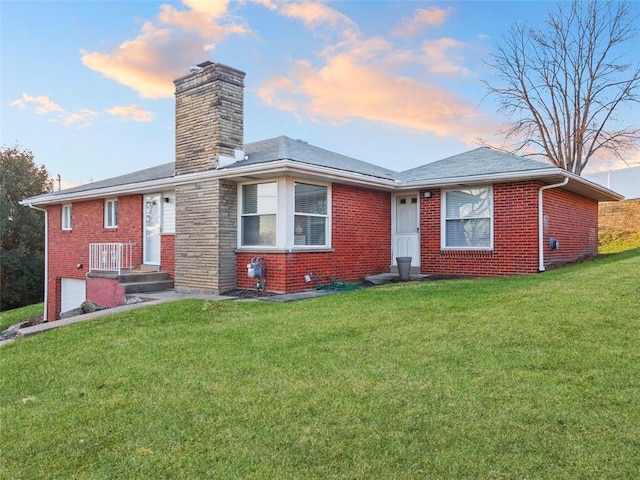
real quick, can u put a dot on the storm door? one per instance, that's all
(152, 218)
(406, 230)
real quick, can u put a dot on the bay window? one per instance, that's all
(310, 221)
(284, 214)
(259, 214)
(467, 218)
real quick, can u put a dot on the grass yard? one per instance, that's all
(17, 315)
(615, 241)
(528, 377)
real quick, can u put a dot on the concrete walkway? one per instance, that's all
(156, 298)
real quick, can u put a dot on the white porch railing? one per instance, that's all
(110, 257)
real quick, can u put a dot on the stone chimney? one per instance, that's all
(209, 125)
(209, 116)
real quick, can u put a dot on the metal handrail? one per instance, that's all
(110, 257)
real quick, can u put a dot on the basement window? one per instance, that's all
(467, 219)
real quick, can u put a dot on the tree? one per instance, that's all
(562, 86)
(21, 228)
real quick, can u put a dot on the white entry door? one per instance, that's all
(406, 233)
(152, 218)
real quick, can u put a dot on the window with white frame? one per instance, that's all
(310, 220)
(66, 217)
(285, 214)
(467, 217)
(259, 214)
(111, 213)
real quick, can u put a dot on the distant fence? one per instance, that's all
(624, 215)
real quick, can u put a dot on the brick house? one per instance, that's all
(200, 220)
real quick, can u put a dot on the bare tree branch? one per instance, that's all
(561, 85)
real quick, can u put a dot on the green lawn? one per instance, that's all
(17, 315)
(528, 377)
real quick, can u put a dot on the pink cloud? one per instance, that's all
(131, 112)
(44, 103)
(315, 14)
(81, 118)
(149, 62)
(421, 19)
(344, 90)
(443, 56)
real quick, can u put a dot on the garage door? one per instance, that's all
(73, 294)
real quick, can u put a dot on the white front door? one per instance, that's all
(406, 230)
(152, 217)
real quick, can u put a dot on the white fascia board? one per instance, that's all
(292, 167)
(598, 191)
(128, 189)
(281, 167)
(483, 179)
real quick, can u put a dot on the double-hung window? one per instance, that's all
(310, 220)
(111, 213)
(259, 214)
(66, 217)
(467, 217)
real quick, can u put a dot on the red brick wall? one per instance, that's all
(168, 254)
(515, 244)
(106, 292)
(67, 249)
(361, 245)
(573, 220)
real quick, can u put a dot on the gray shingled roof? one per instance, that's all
(285, 148)
(481, 161)
(148, 174)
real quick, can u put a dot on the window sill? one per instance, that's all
(283, 250)
(467, 252)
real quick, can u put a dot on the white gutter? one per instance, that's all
(46, 260)
(541, 267)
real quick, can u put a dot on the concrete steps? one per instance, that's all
(142, 282)
(138, 281)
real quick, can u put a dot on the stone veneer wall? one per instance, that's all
(209, 123)
(209, 116)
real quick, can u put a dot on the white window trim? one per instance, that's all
(443, 219)
(241, 215)
(285, 216)
(66, 222)
(106, 213)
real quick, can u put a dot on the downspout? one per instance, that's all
(541, 267)
(46, 260)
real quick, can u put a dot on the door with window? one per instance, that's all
(152, 219)
(406, 229)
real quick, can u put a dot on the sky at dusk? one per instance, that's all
(88, 85)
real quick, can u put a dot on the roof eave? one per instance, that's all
(259, 170)
(294, 167)
(577, 184)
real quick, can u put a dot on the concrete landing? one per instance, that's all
(384, 278)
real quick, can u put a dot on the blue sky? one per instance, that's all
(87, 85)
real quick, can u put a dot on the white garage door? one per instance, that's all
(73, 294)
